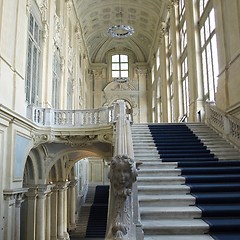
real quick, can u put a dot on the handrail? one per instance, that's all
(71, 118)
(122, 175)
(227, 125)
(182, 119)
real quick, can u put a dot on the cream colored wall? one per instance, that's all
(228, 34)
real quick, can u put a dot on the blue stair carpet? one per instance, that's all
(97, 221)
(215, 184)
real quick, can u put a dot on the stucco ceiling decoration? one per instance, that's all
(98, 16)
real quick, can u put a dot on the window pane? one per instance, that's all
(115, 74)
(115, 66)
(123, 58)
(124, 73)
(212, 21)
(115, 58)
(124, 66)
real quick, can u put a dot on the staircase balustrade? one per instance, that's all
(227, 125)
(71, 118)
(123, 172)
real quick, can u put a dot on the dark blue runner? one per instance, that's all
(215, 184)
(97, 221)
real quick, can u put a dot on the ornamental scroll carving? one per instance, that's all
(123, 173)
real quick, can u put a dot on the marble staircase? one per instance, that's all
(165, 203)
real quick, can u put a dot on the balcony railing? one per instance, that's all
(71, 118)
(227, 125)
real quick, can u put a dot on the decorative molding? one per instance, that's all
(69, 5)
(77, 141)
(58, 29)
(41, 138)
(163, 30)
(28, 6)
(45, 30)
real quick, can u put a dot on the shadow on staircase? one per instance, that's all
(93, 216)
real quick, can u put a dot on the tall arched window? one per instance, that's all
(56, 82)
(208, 48)
(32, 86)
(119, 66)
(183, 55)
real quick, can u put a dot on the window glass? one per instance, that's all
(32, 82)
(119, 66)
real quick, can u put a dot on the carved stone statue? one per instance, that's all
(123, 173)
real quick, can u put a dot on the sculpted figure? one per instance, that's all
(122, 175)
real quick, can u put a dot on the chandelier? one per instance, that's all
(120, 30)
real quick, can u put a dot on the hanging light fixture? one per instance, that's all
(120, 30)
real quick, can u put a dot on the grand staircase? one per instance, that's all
(187, 191)
(92, 219)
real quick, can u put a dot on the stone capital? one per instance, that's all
(61, 186)
(44, 189)
(73, 183)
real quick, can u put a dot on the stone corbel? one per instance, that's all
(41, 138)
(108, 138)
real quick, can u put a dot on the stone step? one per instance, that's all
(178, 237)
(158, 164)
(142, 149)
(159, 172)
(146, 154)
(175, 226)
(166, 200)
(172, 212)
(163, 189)
(143, 181)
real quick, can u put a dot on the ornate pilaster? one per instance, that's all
(142, 73)
(122, 175)
(12, 201)
(44, 10)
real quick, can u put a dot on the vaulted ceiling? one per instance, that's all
(97, 16)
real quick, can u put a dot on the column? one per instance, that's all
(31, 213)
(12, 203)
(61, 225)
(48, 216)
(43, 190)
(142, 83)
(174, 22)
(72, 198)
(8, 226)
(163, 67)
(54, 215)
(194, 60)
(19, 200)
(65, 210)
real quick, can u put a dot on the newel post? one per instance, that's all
(122, 175)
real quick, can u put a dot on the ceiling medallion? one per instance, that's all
(120, 31)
